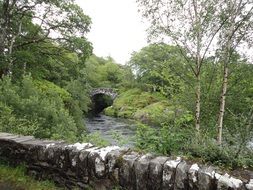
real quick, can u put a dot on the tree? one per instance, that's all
(236, 31)
(155, 67)
(26, 22)
(104, 72)
(193, 26)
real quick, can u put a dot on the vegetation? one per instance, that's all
(171, 114)
(150, 108)
(195, 92)
(215, 27)
(16, 178)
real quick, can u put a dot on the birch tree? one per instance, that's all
(237, 31)
(192, 25)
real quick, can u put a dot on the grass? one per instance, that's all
(16, 179)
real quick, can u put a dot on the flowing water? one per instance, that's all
(116, 131)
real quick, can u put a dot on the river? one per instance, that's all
(116, 131)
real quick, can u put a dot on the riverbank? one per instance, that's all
(167, 128)
(148, 108)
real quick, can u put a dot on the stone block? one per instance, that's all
(83, 165)
(249, 186)
(181, 177)
(206, 179)
(193, 177)
(169, 173)
(113, 164)
(156, 173)
(227, 182)
(126, 171)
(97, 160)
(141, 168)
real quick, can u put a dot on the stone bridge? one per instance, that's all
(106, 91)
(85, 165)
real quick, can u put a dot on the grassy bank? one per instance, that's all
(16, 179)
(149, 108)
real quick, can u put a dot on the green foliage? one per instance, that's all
(175, 141)
(155, 67)
(8, 122)
(119, 138)
(48, 88)
(161, 113)
(134, 99)
(36, 49)
(150, 108)
(110, 111)
(105, 72)
(79, 102)
(168, 140)
(36, 109)
(17, 179)
(231, 156)
(96, 139)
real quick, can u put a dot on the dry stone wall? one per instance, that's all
(84, 165)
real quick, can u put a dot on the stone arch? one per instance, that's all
(106, 91)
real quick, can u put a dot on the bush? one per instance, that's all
(206, 149)
(9, 123)
(168, 140)
(36, 108)
(175, 140)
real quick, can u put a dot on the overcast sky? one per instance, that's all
(117, 29)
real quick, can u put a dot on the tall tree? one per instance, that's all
(26, 22)
(238, 30)
(155, 67)
(192, 25)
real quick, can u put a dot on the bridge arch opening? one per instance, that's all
(101, 99)
(100, 102)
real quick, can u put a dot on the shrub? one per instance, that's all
(36, 109)
(175, 140)
(166, 140)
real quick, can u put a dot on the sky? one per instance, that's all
(117, 28)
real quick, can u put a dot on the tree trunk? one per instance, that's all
(197, 110)
(222, 104)
(227, 54)
(3, 25)
(197, 66)
(4, 20)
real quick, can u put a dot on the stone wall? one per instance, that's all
(84, 165)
